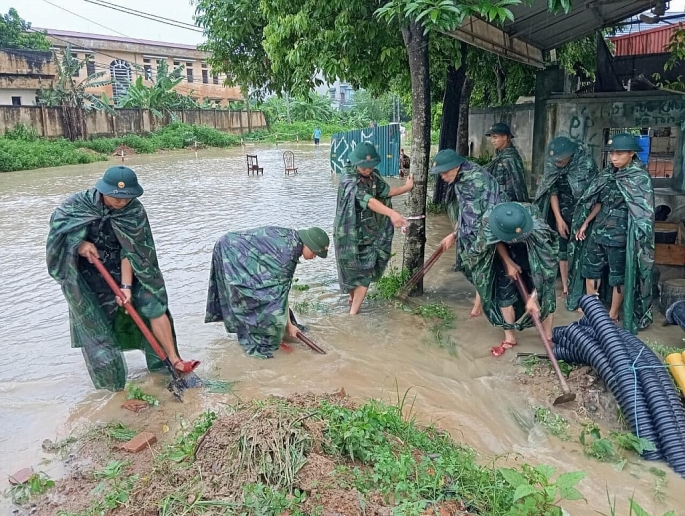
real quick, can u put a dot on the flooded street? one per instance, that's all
(45, 390)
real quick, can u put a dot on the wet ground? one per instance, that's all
(45, 390)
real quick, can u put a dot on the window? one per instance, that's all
(342, 95)
(331, 93)
(90, 65)
(176, 63)
(121, 77)
(147, 61)
(215, 79)
(205, 77)
(148, 72)
(189, 74)
(74, 56)
(16, 101)
(204, 65)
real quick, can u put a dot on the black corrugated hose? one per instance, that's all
(634, 374)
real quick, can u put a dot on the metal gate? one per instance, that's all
(385, 138)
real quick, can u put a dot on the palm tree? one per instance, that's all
(70, 93)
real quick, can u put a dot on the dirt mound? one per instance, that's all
(125, 149)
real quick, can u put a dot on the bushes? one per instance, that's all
(22, 154)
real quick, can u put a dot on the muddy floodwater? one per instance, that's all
(46, 393)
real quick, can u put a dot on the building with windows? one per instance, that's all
(340, 93)
(22, 74)
(125, 59)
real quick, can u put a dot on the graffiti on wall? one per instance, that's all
(581, 129)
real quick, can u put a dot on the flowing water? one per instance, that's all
(45, 390)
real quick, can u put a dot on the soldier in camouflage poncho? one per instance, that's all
(364, 223)
(470, 192)
(618, 255)
(507, 167)
(109, 222)
(569, 169)
(252, 272)
(514, 240)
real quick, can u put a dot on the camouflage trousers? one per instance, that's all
(506, 292)
(598, 257)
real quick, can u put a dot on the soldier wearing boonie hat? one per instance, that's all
(108, 222)
(613, 254)
(364, 223)
(250, 279)
(515, 241)
(506, 165)
(569, 169)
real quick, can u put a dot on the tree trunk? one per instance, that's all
(499, 75)
(417, 49)
(463, 147)
(249, 114)
(450, 115)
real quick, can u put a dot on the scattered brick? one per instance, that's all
(135, 405)
(20, 477)
(139, 443)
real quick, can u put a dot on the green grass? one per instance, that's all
(557, 425)
(136, 393)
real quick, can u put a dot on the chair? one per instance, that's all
(289, 161)
(253, 165)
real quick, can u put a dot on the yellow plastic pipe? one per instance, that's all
(677, 363)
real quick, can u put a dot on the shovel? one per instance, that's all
(420, 273)
(177, 384)
(567, 394)
(308, 342)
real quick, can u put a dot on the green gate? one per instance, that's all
(386, 139)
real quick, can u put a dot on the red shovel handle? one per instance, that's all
(129, 308)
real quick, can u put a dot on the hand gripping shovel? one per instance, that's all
(177, 384)
(567, 394)
(308, 342)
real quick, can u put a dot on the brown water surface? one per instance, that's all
(45, 390)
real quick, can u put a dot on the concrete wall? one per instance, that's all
(47, 122)
(27, 96)
(519, 118)
(23, 73)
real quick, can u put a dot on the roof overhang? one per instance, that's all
(536, 30)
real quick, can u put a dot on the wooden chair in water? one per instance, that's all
(289, 161)
(253, 165)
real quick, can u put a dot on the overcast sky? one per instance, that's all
(44, 15)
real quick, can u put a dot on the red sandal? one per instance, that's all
(187, 366)
(286, 347)
(498, 351)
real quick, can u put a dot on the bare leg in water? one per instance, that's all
(563, 268)
(357, 298)
(477, 309)
(161, 327)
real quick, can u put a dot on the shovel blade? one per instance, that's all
(565, 398)
(191, 380)
(176, 387)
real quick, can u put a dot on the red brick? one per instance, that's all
(21, 476)
(135, 405)
(139, 443)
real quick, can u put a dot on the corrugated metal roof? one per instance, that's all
(652, 41)
(537, 26)
(117, 39)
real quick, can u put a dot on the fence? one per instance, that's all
(47, 121)
(386, 139)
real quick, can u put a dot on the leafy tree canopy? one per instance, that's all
(15, 33)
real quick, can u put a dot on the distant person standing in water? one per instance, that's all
(506, 166)
(317, 136)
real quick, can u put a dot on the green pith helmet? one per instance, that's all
(510, 222)
(120, 182)
(446, 160)
(561, 148)
(364, 155)
(499, 128)
(316, 239)
(623, 142)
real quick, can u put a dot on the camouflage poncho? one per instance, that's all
(363, 238)
(97, 324)
(635, 184)
(252, 272)
(542, 246)
(471, 194)
(579, 172)
(507, 168)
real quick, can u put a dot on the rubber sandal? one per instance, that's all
(498, 351)
(286, 347)
(187, 366)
